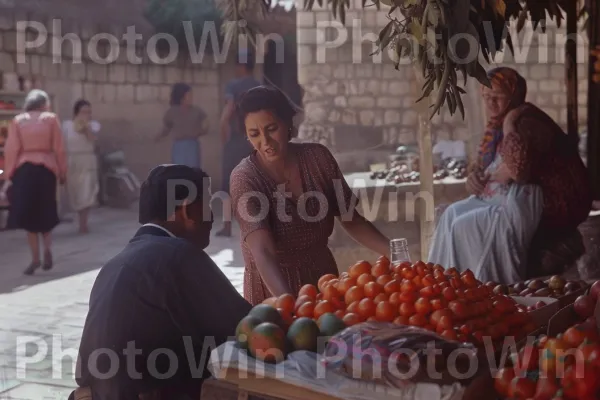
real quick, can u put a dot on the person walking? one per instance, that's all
(80, 135)
(185, 123)
(236, 146)
(35, 161)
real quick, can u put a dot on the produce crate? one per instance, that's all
(566, 317)
(541, 316)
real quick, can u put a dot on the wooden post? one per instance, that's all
(593, 131)
(571, 68)
(426, 209)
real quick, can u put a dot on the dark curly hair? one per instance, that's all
(266, 98)
(79, 104)
(178, 92)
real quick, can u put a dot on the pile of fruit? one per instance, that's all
(562, 367)
(269, 333)
(456, 306)
(555, 287)
(401, 172)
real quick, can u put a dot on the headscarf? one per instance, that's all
(513, 86)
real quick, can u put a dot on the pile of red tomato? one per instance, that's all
(564, 367)
(456, 306)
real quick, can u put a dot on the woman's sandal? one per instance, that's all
(32, 267)
(47, 261)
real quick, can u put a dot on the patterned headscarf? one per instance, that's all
(514, 86)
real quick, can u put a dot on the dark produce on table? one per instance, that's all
(400, 172)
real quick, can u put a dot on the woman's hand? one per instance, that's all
(502, 174)
(476, 182)
(262, 247)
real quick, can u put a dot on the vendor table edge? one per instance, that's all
(270, 386)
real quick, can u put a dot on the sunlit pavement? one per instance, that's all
(47, 311)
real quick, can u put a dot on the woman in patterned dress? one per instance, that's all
(285, 235)
(529, 187)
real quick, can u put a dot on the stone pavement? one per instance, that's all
(41, 317)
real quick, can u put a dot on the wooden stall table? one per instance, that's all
(267, 388)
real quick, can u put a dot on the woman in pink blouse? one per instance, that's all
(35, 161)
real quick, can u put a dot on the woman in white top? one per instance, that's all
(82, 180)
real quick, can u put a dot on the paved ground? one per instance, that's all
(47, 311)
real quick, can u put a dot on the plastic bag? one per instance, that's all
(397, 355)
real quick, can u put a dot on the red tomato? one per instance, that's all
(546, 388)
(576, 387)
(521, 388)
(423, 306)
(502, 380)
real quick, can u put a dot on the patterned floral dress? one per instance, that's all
(300, 228)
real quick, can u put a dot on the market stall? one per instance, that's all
(357, 336)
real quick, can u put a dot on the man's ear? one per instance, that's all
(184, 211)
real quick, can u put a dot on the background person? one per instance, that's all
(283, 255)
(35, 161)
(529, 189)
(235, 144)
(80, 138)
(185, 123)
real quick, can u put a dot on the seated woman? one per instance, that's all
(285, 198)
(529, 186)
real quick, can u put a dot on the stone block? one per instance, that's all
(116, 73)
(559, 99)
(390, 102)
(7, 21)
(174, 75)
(557, 72)
(361, 102)
(332, 88)
(409, 118)
(316, 111)
(125, 93)
(146, 93)
(102, 73)
(309, 35)
(399, 88)
(349, 117)
(109, 93)
(305, 19)
(367, 117)
(156, 74)
(392, 117)
(164, 93)
(92, 92)
(9, 41)
(23, 67)
(551, 86)
(305, 55)
(334, 116)
(77, 71)
(340, 101)
(133, 73)
(539, 71)
(7, 62)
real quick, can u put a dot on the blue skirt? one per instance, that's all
(186, 152)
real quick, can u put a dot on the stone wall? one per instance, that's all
(129, 99)
(356, 103)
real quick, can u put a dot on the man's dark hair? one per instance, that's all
(154, 192)
(246, 59)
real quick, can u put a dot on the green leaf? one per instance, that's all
(417, 30)
(386, 34)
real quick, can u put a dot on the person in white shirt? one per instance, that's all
(82, 180)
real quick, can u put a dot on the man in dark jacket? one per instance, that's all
(160, 306)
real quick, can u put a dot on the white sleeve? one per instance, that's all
(95, 125)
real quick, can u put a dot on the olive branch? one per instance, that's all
(438, 36)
